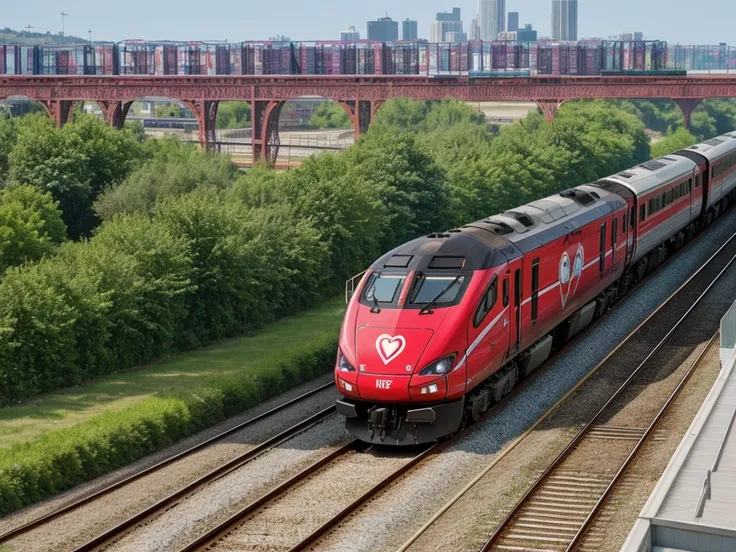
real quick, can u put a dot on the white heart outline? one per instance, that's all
(574, 278)
(388, 357)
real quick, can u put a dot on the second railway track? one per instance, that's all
(558, 509)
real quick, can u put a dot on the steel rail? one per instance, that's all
(635, 451)
(583, 432)
(12, 533)
(213, 475)
(506, 451)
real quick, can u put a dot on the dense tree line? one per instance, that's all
(168, 247)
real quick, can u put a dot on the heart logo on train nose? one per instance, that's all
(570, 274)
(389, 347)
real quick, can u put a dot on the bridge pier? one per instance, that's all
(265, 123)
(115, 112)
(687, 106)
(59, 110)
(363, 116)
(205, 111)
(549, 108)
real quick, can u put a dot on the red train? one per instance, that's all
(443, 326)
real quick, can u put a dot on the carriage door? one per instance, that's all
(513, 283)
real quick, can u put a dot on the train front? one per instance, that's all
(401, 366)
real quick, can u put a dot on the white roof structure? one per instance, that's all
(693, 506)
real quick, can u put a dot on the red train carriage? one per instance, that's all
(443, 326)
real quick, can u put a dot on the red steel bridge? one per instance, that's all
(360, 96)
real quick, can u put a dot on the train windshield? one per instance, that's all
(385, 288)
(431, 288)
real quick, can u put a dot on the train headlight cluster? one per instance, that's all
(440, 367)
(345, 366)
(345, 385)
(430, 389)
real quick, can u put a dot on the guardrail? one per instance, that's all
(350, 285)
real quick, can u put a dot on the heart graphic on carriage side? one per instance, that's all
(570, 273)
(389, 347)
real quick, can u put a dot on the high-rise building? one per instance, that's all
(507, 35)
(474, 32)
(454, 36)
(409, 29)
(351, 35)
(445, 23)
(513, 25)
(384, 29)
(491, 18)
(631, 36)
(564, 19)
(527, 34)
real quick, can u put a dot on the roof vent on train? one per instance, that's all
(398, 261)
(714, 141)
(439, 235)
(625, 175)
(498, 227)
(581, 196)
(523, 218)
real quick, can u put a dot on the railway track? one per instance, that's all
(633, 350)
(219, 536)
(24, 528)
(561, 505)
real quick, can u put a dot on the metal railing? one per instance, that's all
(350, 285)
(705, 494)
(728, 329)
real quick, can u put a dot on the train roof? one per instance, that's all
(715, 147)
(649, 176)
(492, 241)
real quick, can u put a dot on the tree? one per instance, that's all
(233, 115)
(7, 140)
(75, 163)
(329, 115)
(55, 162)
(168, 110)
(175, 170)
(673, 141)
(30, 226)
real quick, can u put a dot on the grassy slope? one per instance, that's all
(115, 392)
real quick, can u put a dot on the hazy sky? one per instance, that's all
(236, 20)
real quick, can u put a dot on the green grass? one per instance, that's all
(187, 372)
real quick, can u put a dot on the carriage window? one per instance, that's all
(486, 303)
(506, 292)
(614, 232)
(535, 289)
(642, 213)
(623, 224)
(604, 227)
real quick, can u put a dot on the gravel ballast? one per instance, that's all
(81, 524)
(402, 510)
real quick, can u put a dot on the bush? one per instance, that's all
(64, 458)
(30, 226)
(176, 169)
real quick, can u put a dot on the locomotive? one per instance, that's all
(442, 327)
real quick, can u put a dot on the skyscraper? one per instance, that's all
(491, 18)
(564, 19)
(409, 30)
(384, 29)
(474, 33)
(527, 34)
(350, 35)
(444, 24)
(513, 22)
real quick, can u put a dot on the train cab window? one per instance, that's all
(642, 213)
(506, 292)
(384, 287)
(535, 290)
(486, 303)
(430, 287)
(623, 224)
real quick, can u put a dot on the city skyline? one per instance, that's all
(234, 21)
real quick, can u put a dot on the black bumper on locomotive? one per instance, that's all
(401, 426)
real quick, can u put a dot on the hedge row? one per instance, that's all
(61, 459)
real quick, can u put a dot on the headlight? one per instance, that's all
(345, 365)
(440, 367)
